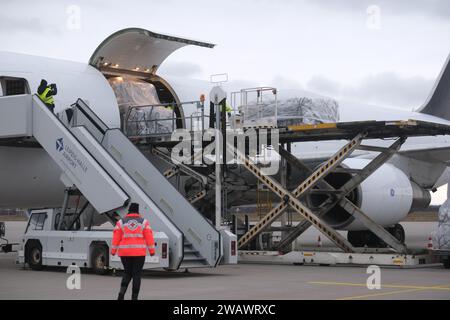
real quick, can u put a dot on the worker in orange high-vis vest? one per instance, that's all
(132, 238)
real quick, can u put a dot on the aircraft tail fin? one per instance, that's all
(438, 103)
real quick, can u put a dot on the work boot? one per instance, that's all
(121, 295)
(134, 296)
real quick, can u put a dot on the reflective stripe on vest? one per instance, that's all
(130, 246)
(44, 98)
(129, 235)
(146, 224)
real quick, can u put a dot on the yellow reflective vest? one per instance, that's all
(44, 98)
(227, 108)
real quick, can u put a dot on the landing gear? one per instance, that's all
(366, 238)
(398, 232)
(357, 238)
(363, 238)
(447, 263)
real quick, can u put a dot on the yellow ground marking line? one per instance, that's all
(395, 286)
(407, 288)
(370, 295)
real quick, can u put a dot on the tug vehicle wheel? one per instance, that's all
(34, 256)
(100, 260)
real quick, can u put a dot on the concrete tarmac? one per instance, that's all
(242, 281)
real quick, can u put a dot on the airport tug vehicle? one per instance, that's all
(5, 245)
(47, 243)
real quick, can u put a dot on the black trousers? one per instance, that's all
(133, 270)
(51, 107)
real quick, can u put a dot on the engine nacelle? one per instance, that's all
(386, 196)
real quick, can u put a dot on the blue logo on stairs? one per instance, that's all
(59, 144)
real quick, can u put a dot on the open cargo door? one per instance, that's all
(139, 53)
(136, 49)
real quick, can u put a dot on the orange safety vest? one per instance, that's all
(133, 236)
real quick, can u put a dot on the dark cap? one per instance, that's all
(134, 207)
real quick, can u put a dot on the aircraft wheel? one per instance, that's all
(356, 238)
(447, 263)
(398, 232)
(372, 241)
(364, 238)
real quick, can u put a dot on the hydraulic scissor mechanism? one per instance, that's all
(339, 196)
(316, 183)
(291, 198)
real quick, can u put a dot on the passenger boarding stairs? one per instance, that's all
(111, 172)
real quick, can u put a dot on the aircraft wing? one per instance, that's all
(429, 155)
(437, 154)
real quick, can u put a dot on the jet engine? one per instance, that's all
(386, 196)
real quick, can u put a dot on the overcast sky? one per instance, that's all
(386, 52)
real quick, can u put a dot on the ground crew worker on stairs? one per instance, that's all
(46, 92)
(132, 238)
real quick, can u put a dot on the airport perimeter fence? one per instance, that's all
(13, 214)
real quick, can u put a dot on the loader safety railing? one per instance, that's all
(158, 119)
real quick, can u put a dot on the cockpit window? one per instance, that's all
(13, 86)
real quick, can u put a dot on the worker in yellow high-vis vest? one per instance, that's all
(46, 92)
(228, 109)
(212, 114)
